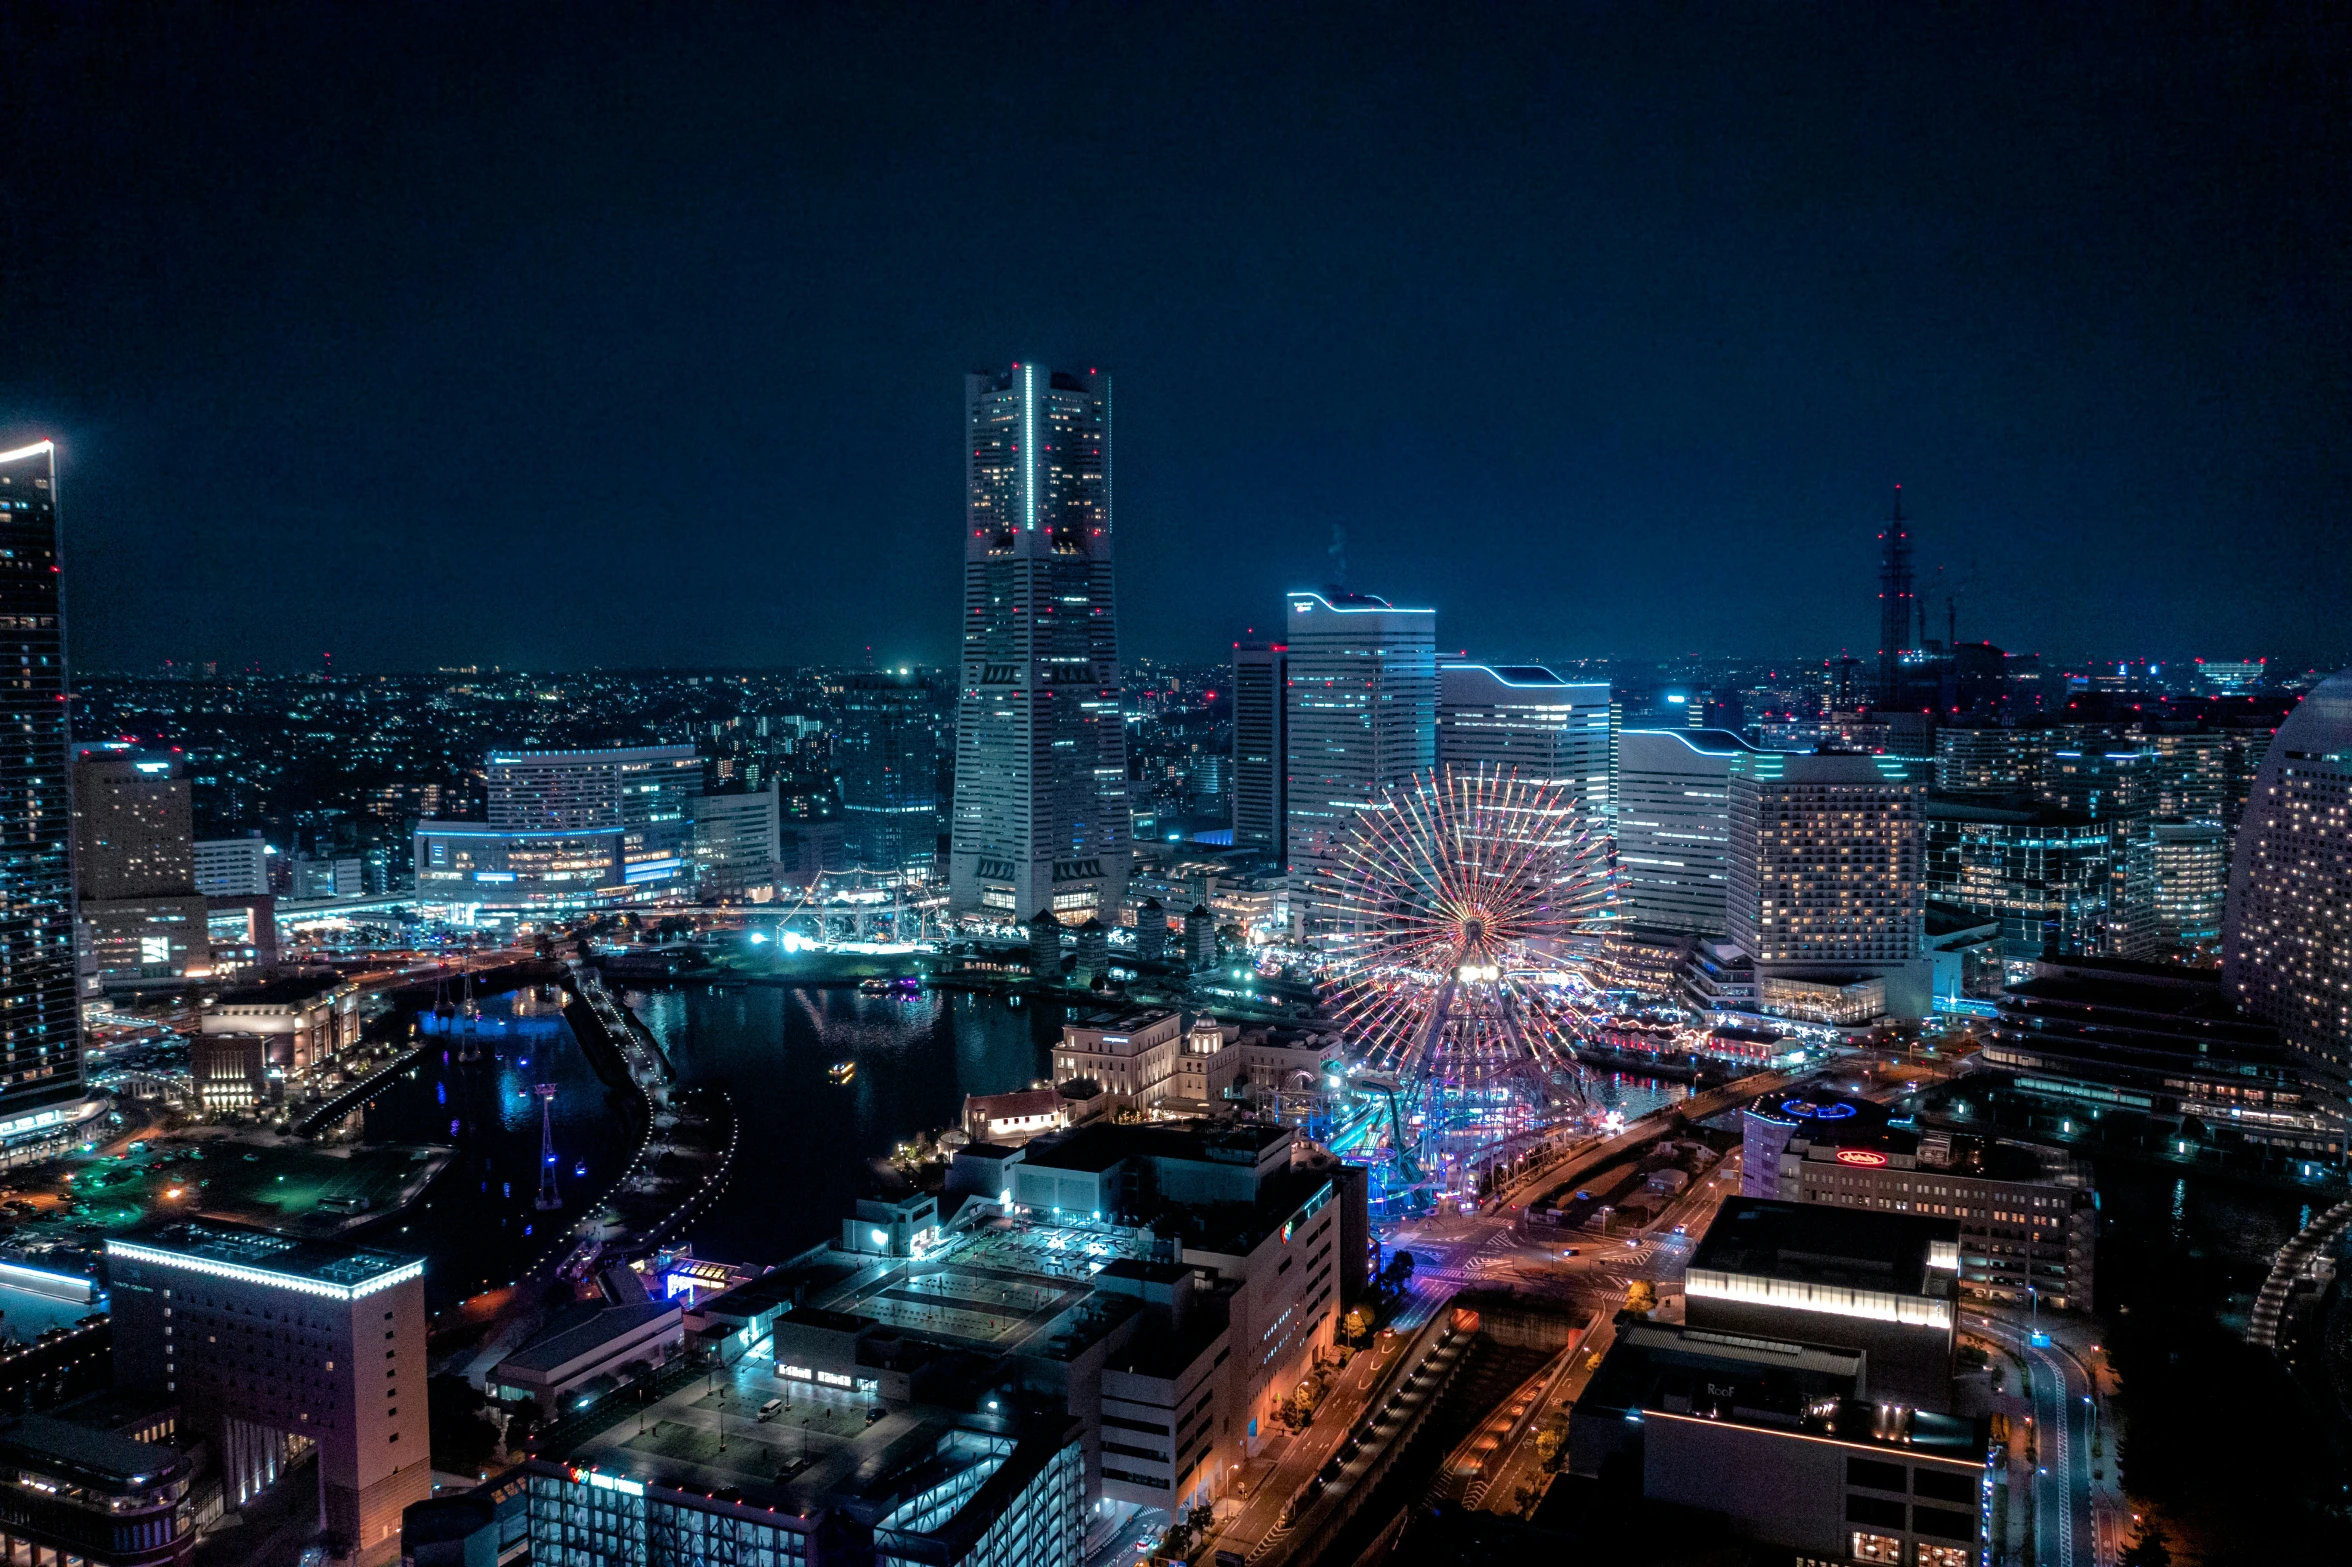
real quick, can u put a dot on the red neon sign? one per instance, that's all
(1860, 1156)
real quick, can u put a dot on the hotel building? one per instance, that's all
(274, 1347)
(1828, 889)
(2287, 943)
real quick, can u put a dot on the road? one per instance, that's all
(1288, 1462)
(2067, 1525)
(1497, 1245)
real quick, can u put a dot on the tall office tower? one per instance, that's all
(40, 1031)
(1260, 800)
(2115, 784)
(141, 919)
(1828, 884)
(1674, 827)
(1524, 718)
(2044, 873)
(888, 755)
(1898, 604)
(1041, 812)
(2191, 856)
(274, 1346)
(2287, 937)
(1362, 715)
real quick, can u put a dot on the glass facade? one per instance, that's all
(1041, 805)
(889, 759)
(40, 1031)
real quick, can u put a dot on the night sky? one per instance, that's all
(553, 336)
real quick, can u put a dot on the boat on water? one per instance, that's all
(842, 1071)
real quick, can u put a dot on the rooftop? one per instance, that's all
(97, 1459)
(314, 1267)
(551, 1352)
(286, 992)
(1849, 1248)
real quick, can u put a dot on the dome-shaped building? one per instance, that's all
(2287, 936)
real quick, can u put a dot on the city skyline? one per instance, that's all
(1570, 325)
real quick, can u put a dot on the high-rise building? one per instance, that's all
(1981, 759)
(2287, 937)
(1362, 717)
(1674, 827)
(141, 920)
(2043, 872)
(1041, 811)
(1828, 884)
(888, 755)
(132, 828)
(2115, 783)
(1898, 605)
(40, 1031)
(275, 1346)
(569, 829)
(2191, 857)
(1522, 718)
(737, 840)
(1260, 800)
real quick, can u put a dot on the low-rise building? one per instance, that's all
(1132, 1053)
(2028, 1217)
(590, 1346)
(1783, 1438)
(2164, 1041)
(308, 1019)
(1015, 1117)
(1205, 1067)
(69, 1494)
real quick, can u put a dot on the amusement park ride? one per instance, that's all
(1470, 906)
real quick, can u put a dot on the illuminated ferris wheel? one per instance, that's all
(1468, 905)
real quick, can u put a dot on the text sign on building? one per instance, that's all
(1860, 1156)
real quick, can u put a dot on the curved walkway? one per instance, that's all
(2297, 1259)
(357, 1094)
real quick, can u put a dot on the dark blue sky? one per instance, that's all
(558, 335)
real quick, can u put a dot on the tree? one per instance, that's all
(2149, 1549)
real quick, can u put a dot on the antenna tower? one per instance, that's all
(548, 1197)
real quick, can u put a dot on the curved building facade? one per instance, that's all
(2287, 936)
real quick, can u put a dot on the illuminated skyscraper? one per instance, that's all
(1523, 718)
(2287, 936)
(1260, 740)
(1674, 827)
(889, 760)
(1828, 882)
(40, 1033)
(1041, 818)
(1361, 714)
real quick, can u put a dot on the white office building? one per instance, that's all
(232, 867)
(1362, 717)
(1523, 719)
(1674, 827)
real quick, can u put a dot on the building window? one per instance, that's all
(1878, 1548)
